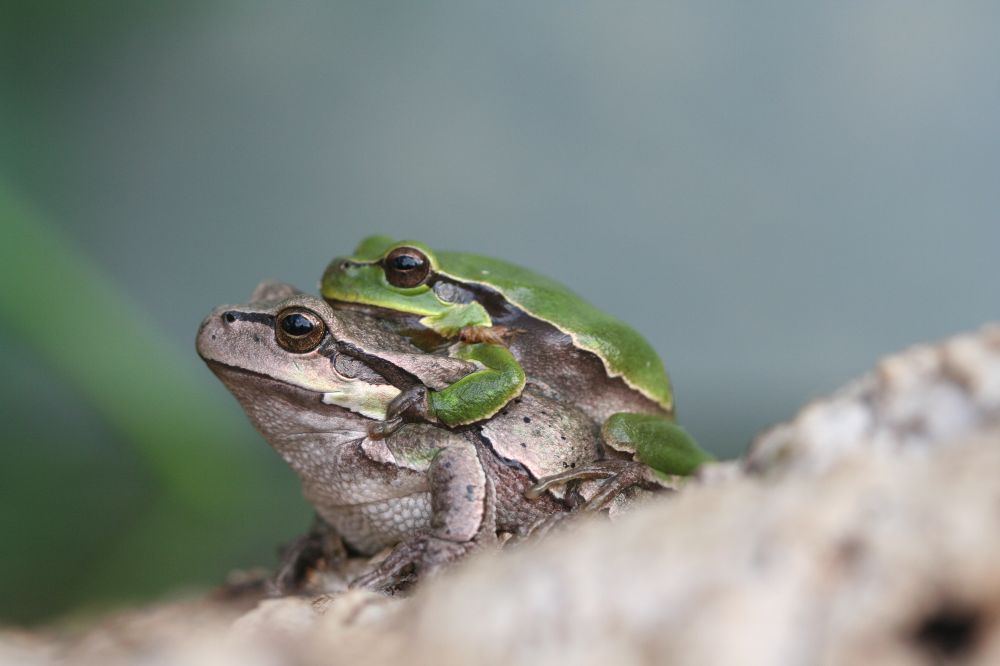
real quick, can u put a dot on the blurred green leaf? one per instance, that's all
(64, 310)
(61, 306)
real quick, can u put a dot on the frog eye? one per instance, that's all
(299, 330)
(406, 267)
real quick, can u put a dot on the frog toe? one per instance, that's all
(544, 526)
(418, 557)
(411, 405)
(600, 469)
(318, 550)
(616, 476)
(382, 429)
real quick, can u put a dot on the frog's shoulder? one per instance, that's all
(623, 351)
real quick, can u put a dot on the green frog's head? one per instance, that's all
(402, 276)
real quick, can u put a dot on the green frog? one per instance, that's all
(514, 323)
(313, 381)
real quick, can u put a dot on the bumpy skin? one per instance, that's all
(432, 494)
(586, 356)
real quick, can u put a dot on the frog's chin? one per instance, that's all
(296, 423)
(271, 402)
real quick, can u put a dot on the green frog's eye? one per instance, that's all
(299, 330)
(406, 267)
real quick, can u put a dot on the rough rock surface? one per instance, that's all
(864, 531)
(927, 396)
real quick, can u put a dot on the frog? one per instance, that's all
(429, 493)
(481, 305)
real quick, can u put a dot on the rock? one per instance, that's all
(864, 531)
(874, 562)
(925, 397)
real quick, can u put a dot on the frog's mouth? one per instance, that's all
(288, 416)
(253, 389)
(278, 407)
(240, 379)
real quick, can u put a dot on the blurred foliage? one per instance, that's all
(121, 475)
(147, 510)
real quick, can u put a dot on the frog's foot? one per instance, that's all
(411, 405)
(493, 335)
(382, 429)
(316, 550)
(542, 527)
(631, 475)
(417, 557)
(618, 476)
(601, 469)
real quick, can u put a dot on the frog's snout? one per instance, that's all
(213, 326)
(339, 272)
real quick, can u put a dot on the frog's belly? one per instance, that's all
(371, 504)
(372, 526)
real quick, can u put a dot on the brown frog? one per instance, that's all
(313, 380)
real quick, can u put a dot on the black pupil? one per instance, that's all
(297, 325)
(406, 262)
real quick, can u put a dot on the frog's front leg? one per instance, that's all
(477, 396)
(411, 405)
(463, 519)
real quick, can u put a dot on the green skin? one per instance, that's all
(625, 355)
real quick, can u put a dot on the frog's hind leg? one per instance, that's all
(619, 476)
(320, 548)
(463, 502)
(656, 445)
(656, 441)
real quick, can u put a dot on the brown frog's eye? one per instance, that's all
(406, 267)
(299, 330)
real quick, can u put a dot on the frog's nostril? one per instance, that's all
(230, 317)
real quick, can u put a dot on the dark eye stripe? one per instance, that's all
(232, 316)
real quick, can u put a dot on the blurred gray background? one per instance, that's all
(774, 193)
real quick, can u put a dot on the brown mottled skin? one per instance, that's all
(432, 494)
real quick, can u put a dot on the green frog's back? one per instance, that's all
(622, 350)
